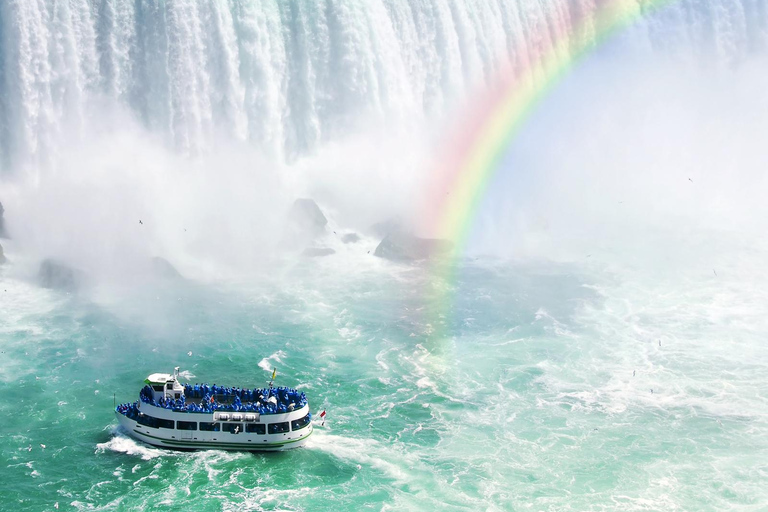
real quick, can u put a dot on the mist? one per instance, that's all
(632, 157)
(651, 138)
(621, 157)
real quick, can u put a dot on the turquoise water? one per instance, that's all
(539, 398)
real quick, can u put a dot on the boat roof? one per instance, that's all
(158, 378)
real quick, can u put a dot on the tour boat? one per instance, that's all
(170, 414)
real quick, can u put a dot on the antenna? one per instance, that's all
(274, 374)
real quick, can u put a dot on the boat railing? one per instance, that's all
(216, 398)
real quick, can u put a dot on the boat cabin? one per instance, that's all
(165, 385)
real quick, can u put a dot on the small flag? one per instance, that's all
(322, 414)
(274, 373)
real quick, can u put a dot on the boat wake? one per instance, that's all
(121, 443)
(361, 452)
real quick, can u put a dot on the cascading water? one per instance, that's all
(287, 75)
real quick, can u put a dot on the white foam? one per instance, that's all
(265, 363)
(121, 443)
(425, 382)
(367, 452)
(263, 497)
(186, 375)
(349, 333)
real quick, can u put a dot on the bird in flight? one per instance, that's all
(141, 222)
(689, 179)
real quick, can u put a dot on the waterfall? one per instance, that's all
(286, 75)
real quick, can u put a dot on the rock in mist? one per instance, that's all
(406, 247)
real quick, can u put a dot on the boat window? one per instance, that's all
(278, 428)
(256, 428)
(186, 425)
(210, 427)
(232, 428)
(153, 422)
(145, 420)
(159, 389)
(300, 423)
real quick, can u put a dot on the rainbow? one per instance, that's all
(466, 172)
(470, 167)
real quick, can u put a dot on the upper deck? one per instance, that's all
(166, 392)
(203, 398)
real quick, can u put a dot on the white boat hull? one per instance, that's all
(214, 440)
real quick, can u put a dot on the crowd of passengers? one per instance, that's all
(129, 410)
(218, 398)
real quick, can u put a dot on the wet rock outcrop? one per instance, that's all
(350, 238)
(163, 269)
(401, 246)
(307, 218)
(59, 276)
(387, 227)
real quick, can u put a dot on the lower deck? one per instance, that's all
(217, 431)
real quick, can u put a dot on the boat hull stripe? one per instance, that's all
(205, 444)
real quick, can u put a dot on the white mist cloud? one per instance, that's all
(220, 209)
(604, 162)
(221, 213)
(631, 156)
(373, 175)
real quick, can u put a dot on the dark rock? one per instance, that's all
(307, 217)
(3, 233)
(350, 238)
(406, 247)
(314, 252)
(57, 275)
(2, 256)
(162, 268)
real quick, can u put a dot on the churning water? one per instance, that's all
(564, 386)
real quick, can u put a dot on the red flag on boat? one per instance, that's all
(322, 414)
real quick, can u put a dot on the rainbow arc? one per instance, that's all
(467, 171)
